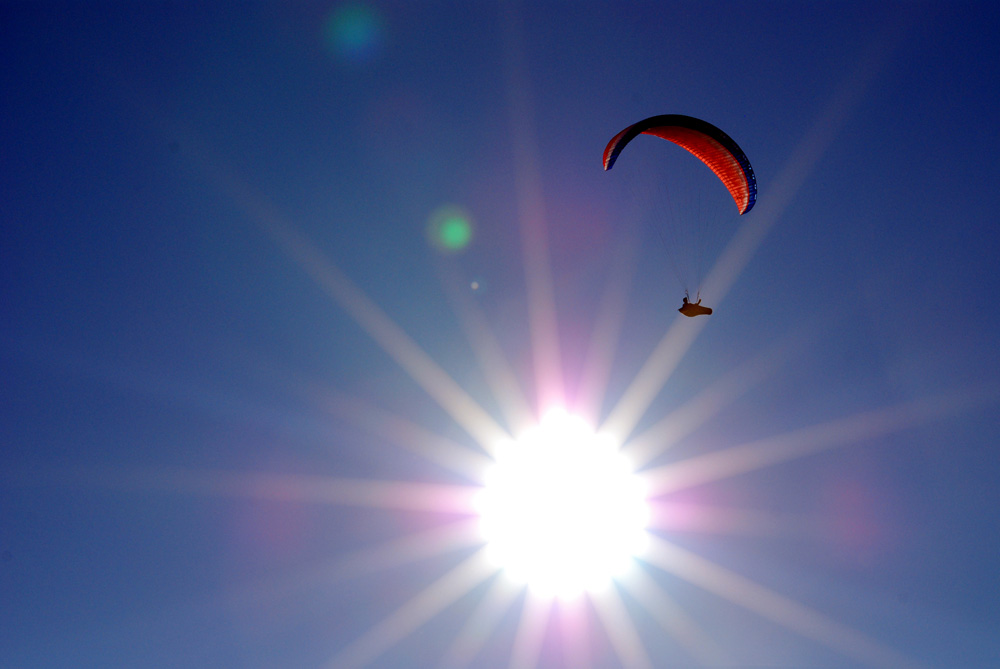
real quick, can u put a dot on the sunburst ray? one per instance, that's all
(672, 618)
(799, 443)
(618, 624)
(445, 591)
(437, 541)
(404, 433)
(574, 629)
(803, 160)
(649, 380)
(464, 410)
(463, 459)
(608, 325)
(481, 624)
(700, 518)
(531, 632)
(531, 215)
(499, 373)
(310, 489)
(772, 606)
(407, 549)
(430, 376)
(689, 417)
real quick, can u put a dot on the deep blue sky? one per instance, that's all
(149, 323)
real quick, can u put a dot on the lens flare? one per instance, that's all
(561, 510)
(450, 229)
(353, 31)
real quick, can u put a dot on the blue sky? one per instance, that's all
(180, 183)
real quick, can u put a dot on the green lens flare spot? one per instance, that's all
(450, 229)
(354, 32)
(455, 232)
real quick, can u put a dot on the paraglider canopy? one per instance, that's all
(714, 148)
(706, 142)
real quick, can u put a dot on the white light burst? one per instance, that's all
(561, 509)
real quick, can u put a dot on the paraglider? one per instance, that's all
(712, 147)
(692, 309)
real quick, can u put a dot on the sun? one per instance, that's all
(561, 509)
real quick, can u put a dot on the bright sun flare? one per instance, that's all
(561, 509)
